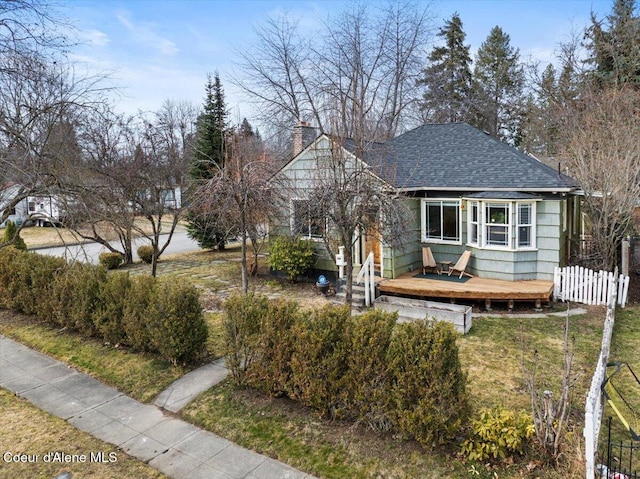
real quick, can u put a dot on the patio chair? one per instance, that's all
(428, 262)
(461, 265)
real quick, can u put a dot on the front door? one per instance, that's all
(371, 242)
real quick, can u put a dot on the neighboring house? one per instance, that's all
(45, 210)
(18, 214)
(467, 191)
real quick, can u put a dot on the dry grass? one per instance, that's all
(27, 430)
(36, 237)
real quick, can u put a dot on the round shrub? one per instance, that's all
(498, 433)
(145, 253)
(177, 326)
(110, 259)
(291, 255)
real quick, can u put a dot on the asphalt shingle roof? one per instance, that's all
(460, 157)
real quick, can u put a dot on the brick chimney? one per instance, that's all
(303, 135)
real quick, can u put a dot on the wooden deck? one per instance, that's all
(473, 289)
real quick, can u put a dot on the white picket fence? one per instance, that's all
(586, 286)
(594, 404)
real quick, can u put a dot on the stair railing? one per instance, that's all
(367, 274)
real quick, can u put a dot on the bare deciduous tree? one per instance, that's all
(36, 100)
(162, 161)
(245, 193)
(350, 189)
(360, 70)
(603, 154)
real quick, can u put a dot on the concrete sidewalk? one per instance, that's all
(174, 447)
(191, 385)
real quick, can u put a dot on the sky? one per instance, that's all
(154, 50)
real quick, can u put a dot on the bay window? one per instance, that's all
(495, 224)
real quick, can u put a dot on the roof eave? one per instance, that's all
(467, 189)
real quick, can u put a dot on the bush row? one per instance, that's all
(140, 312)
(405, 378)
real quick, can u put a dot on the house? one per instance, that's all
(46, 210)
(466, 191)
(18, 213)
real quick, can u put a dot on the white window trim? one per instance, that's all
(508, 224)
(423, 221)
(292, 223)
(513, 223)
(532, 225)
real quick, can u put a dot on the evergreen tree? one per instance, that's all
(211, 132)
(12, 236)
(448, 77)
(499, 80)
(615, 51)
(208, 158)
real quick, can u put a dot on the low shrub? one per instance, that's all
(110, 260)
(8, 257)
(320, 359)
(134, 314)
(177, 326)
(291, 255)
(428, 391)
(270, 371)
(145, 253)
(498, 433)
(365, 385)
(108, 315)
(241, 323)
(76, 295)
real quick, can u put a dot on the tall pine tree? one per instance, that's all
(209, 154)
(499, 81)
(615, 49)
(448, 77)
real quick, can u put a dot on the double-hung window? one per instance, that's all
(495, 224)
(441, 221)
(307, 220)
(524, 226)
(498, 225)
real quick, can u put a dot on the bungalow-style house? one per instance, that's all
(466, 191)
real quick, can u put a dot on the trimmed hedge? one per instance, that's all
(145, 253)
(139, 312)
(404, 378)
(110, 260)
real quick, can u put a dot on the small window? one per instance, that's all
(525, 225)
(474, 222)
(32, 205)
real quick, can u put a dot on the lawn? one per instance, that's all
(492, 354)
(25, 429)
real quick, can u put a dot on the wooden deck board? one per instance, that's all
(474, 288)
